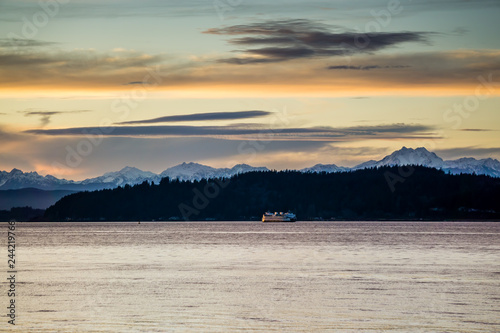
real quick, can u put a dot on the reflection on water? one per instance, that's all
(237, 276)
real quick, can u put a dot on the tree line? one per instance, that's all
(370, 194)
(21, 214)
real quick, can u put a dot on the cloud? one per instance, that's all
(248, 131)
(41, 68)
(365, 68)
(79, 60)
(433, 5)
(203, 117)
(471, 151)
(13, 10)
(135, 83)
(11, 140)
(460, 31)
(25, 43)
(284, 40)
(45, 116)
(477, 130)
(423, 73)
(6, 135)
(449, 70)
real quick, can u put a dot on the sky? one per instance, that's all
(88, 87)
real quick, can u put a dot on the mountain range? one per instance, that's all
(16, 179)
(422, 157)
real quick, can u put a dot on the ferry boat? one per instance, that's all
(279, 217)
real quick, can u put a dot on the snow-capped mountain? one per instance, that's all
(194, 171)
(406, 156)
(189, 171)
(423, 157)
(127, 175)
(486, 166)
(16, 179)
(365, 165)
(244, 168)
(328, 168)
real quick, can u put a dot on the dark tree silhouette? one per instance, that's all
(359, 195)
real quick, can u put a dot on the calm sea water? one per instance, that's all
(240, 276)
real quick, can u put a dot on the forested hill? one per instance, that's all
(372, 194)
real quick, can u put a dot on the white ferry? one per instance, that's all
(279, 217)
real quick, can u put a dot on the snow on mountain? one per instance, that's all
(127, 175)
(3, 177)
(410, 156)
(194, 171)
(16, 179)
(189, 171)
(244, 168)
(365, 165)
(328, 168)
(470, 165)
(421, 156)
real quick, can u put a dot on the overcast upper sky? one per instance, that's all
(88, 87)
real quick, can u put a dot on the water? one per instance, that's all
(239, 276)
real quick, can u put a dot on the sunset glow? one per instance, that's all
(336, 81)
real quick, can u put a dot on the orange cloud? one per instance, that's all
(430, 74)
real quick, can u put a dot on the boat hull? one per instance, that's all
(278, 218)
(276, 221)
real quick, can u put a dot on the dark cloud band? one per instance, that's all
(18, 42)
(46, 116)
(318, 133)
(293, 39)
(203, 117)
(365, 68)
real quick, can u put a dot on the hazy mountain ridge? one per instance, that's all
(31, 197)
(16, 179)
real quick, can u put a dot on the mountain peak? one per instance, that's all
(406, 156)
(16, 179)
(411, 150)
(189, 171)
(128, 169)
(242, 165)
(246, 166)
(190, 164)
(328, 168)
(410, 156)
